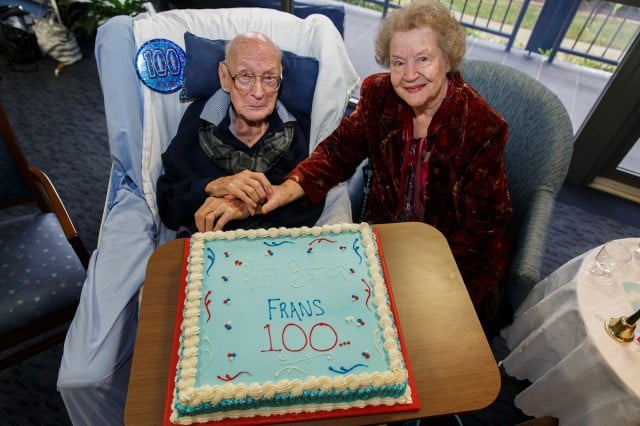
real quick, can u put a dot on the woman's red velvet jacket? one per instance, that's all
(466, 196)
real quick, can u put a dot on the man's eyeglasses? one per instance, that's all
(244, 81)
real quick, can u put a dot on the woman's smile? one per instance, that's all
(418, 68)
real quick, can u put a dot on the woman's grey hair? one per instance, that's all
(419, 14)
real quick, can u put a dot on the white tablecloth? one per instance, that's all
(558, 341)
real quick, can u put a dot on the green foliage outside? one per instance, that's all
(96, 12)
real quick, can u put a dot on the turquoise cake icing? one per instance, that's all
(286, 320)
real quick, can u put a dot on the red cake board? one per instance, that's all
(295, 417)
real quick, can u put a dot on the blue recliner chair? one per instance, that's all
(142, 116)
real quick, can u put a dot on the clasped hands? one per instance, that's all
(239, 196)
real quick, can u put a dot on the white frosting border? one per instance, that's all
(186, 368)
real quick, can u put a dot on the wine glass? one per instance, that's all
(608, 260)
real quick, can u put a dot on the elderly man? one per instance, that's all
(217, 173)
(229, 148)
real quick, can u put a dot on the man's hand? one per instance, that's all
(281, 195)
(251, 188)
(216, 212)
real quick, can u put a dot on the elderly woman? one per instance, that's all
(435, 144)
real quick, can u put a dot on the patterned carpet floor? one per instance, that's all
(60, 122)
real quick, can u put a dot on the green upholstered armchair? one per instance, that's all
(537, 158)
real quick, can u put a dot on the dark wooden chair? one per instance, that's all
(43, 261)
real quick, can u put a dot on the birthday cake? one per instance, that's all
(285, 321)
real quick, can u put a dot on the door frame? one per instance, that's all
(609, 131)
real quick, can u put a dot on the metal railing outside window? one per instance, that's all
(593, 30)
(601, 31)
(501, 18)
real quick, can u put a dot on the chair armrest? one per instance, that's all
(526, 264)
(53, 201)
(102, 334)
(128, 237)
(50, 200)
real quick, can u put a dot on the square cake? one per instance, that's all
(285, 321)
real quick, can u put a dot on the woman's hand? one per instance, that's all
(216, 212)
(252, 188)
(281, 195)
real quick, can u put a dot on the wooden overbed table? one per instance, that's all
(452, 363)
